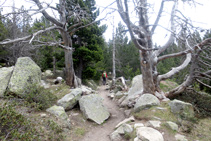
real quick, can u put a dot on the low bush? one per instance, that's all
(201, 102)
(14, 126)
(39, 97)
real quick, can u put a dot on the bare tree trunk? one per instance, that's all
(114, 58)
(54, 62)
(147, 74)
(54, 65)
(69, 68)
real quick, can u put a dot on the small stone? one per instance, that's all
(161, 108)
(127, 113)
(179, 137)
(154, 123)
(137, 125)
(43, 115)
(115, 136)
(149, 134)
(172, 125)
(136, 139)
(125, 121)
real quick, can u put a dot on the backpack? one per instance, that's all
(104, 74)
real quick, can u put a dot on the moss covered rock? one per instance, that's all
(5, 74)
(93, 108)
(26, 73)
(185, 110)
(145, 102)
(71, 99)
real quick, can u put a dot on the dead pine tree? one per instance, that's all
(141, 33)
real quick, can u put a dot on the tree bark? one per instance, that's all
(80, 68)
(69, 70)
(147, 74)
(114, 58)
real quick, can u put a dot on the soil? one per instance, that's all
(102, 132)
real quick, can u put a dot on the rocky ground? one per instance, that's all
(50, 111)
(102, 132)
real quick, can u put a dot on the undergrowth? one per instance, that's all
(39, 97)
(14, 126)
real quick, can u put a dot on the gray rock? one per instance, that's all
(118, 95)
(48, 74)
(146, 101)
(136, 139)
(123, 129)
(71, 99)
(127, 113)
(5, 74)
(135, 90)
(154, 123)
(86, 90)
(149, 134)
(125, 121)
(121, 99)
(59, 112)
(111, 95)
(58, 80)
(25, 74)
(172, 125)
(43, 115)
(137, 125)
(185, 110)
(115, 136)
(179, 137)
(93, 108)
(44, 84)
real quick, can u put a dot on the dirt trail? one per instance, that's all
(102, 132)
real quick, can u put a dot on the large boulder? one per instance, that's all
(146, 101)
(135, 90)
(59, 112)
(185, 110)
(5, 74)
(93, 108)
(25, 74)
(71, 99)
(149, 134)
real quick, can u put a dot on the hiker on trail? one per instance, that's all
(104, 76)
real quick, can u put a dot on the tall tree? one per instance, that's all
(141, 35)
(87, 43)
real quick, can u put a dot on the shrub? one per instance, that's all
(39, 97)
(14, 126)
(201, 102)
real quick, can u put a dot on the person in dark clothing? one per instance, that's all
(104, 76)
